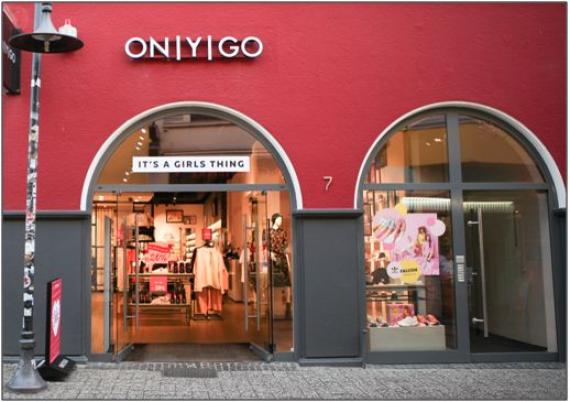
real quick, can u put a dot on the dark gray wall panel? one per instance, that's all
(329, 286)
(560, 265)
(59, 253)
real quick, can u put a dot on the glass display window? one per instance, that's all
(409, 274)
(191, 135)
(460, 245)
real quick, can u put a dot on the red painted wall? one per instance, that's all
(331, 78)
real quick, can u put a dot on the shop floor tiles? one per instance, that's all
(172, 328)
(184, 352)
(499, 344)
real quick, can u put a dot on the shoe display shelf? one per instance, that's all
(167, 308)
(399, 293)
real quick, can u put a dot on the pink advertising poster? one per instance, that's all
(410, 237)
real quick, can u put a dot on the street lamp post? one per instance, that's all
(44, 39)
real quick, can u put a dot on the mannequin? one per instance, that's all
(278, 249)
(279, 262)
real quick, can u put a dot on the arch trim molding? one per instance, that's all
(112, 142)
(538, 146)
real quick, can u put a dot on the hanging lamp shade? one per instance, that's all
(45, 38)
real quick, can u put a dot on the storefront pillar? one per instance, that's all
(329, 324)
(60, 253)
(560, 263)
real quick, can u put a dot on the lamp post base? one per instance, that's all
(26, 378)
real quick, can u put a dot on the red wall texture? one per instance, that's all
(331, 78)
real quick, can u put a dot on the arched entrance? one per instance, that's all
(191, 248)
(459, 248)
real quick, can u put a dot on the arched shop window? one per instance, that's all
(457, 239)
(176, 186)
(185, 134)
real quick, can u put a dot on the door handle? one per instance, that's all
(476, 320)
(482, 270)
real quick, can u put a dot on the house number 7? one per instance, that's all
(328, 180)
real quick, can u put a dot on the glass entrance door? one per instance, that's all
(258, 287)
(508, 266)
(128, 263)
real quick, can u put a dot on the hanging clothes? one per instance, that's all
(209, 299)
(210, 270)
(211, 279)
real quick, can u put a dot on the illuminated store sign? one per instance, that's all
(201, 164)
(179, 48)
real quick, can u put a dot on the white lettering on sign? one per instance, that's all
(227, 47)
(173, 164)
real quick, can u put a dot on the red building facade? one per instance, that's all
(330, 80)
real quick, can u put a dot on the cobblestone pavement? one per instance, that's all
(512, 381)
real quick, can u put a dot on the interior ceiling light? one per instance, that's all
(428, 144)
(143, 130)
(125, 179)
(127, 173)
(437, 139)
(141, 137)
(139, 143)
(138, 148)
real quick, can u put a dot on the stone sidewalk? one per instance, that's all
(279, 381)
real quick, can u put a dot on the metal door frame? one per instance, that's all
(267, 355)
(456, 187)
(107, 284)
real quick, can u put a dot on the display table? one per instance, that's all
(383, 339)
(160, 308)
(149, 308)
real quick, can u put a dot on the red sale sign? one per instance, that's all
(55, 319)
(157, 254)
(206, 234)
(158, 284)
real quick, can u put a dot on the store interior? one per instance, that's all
(191, 275)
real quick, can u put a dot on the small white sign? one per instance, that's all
(203, 164)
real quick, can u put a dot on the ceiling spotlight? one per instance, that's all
(139, 143)
(127, 173)
(428, 144)
(141, 137)
(437, 139)
(138, 148)
(143, 130)
(125, 179)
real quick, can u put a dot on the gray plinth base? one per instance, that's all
(26, 378)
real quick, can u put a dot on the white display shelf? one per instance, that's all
(384, 339)
(148, 274)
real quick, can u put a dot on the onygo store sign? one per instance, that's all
(179, 48)
(200, 164)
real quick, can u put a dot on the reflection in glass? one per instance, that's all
(488, 153)
(185, 134)
(409, 271)
(417, 153)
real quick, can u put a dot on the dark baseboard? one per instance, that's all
(332, 362)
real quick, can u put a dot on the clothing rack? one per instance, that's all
(209, 314)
